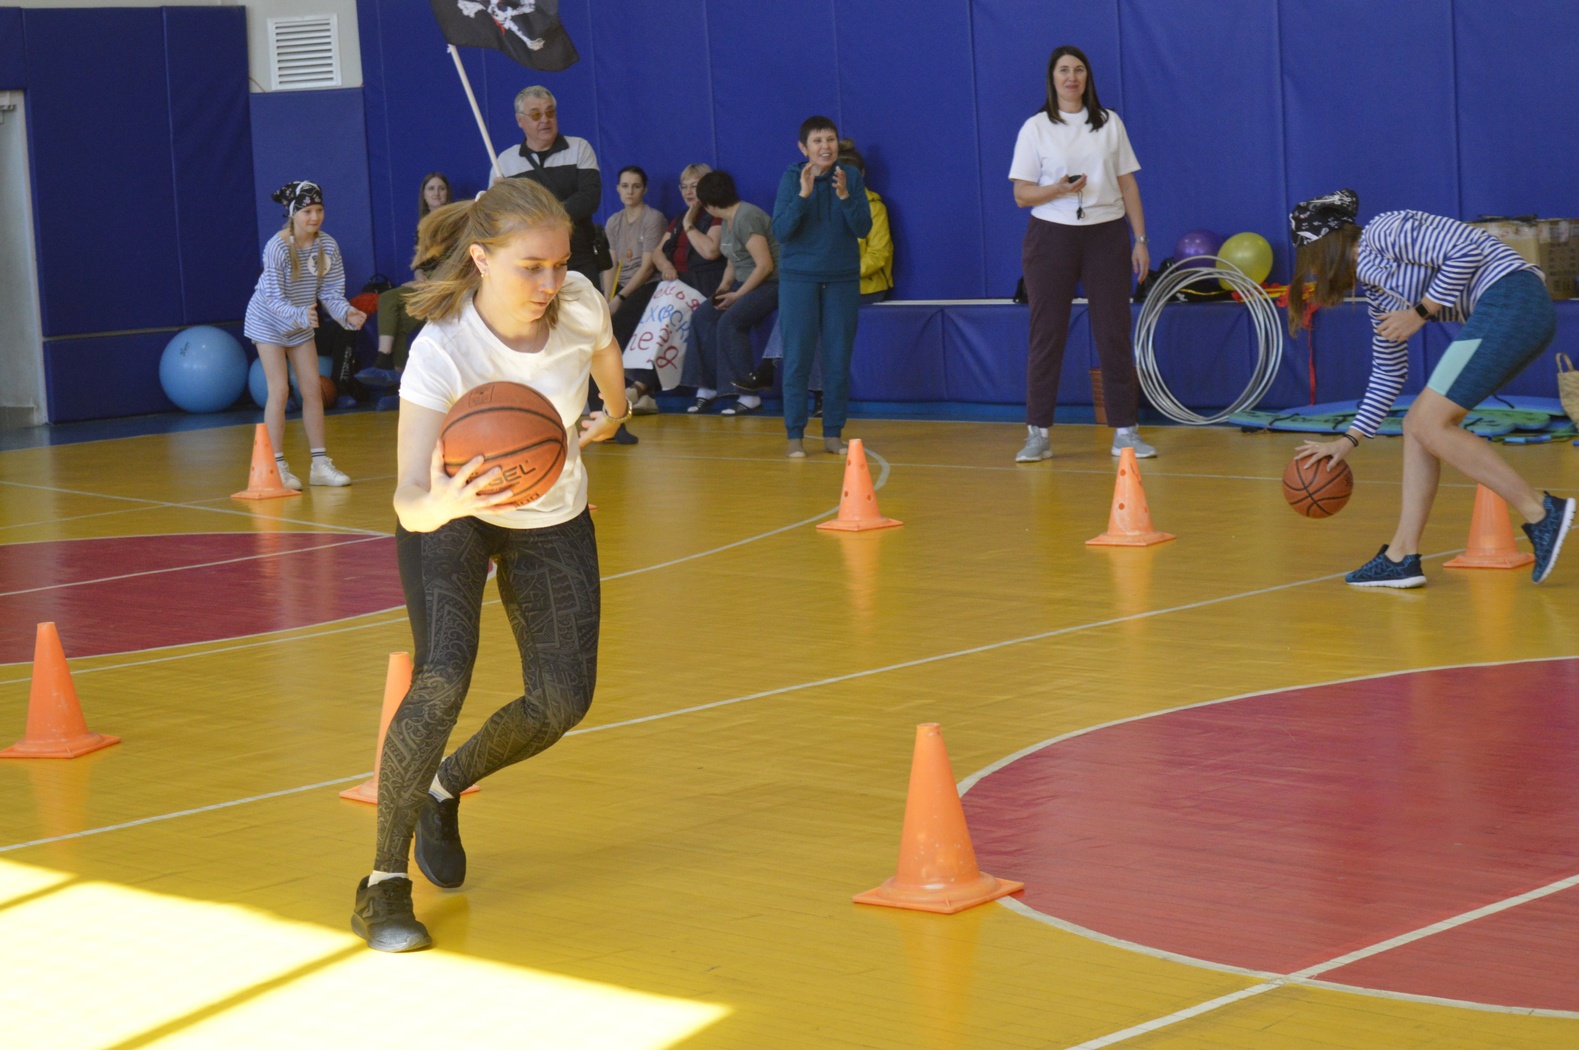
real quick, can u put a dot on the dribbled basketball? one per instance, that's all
(512, 427)
(1317, 488)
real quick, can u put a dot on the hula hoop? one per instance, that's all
(1263, 317)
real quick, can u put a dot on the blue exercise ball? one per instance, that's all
(203, 369)
(258, 384)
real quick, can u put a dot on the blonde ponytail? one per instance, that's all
(509, 206)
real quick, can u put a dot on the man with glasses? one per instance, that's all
(563, 164)
(567, 168)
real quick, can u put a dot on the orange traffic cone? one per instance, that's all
(858, 503)
(937, 866)
(1129, 521)
(397, 682)
(55, 727)
(263, 479)
(1491, 543)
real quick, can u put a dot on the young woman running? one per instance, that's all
(501, 306)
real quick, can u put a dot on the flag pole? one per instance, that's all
(482, 127)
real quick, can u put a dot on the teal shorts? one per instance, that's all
(1513, 323)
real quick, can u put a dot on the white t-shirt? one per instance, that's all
(452, 356)
(1044, 153)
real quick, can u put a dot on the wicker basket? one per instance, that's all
(1551, 244)
(1568, 386)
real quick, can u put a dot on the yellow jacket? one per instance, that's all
(877, 249)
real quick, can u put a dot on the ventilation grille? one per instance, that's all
(304, 52)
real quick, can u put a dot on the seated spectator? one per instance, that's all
(634, 232)
(747, 293)
(395, 326)
(688, 252)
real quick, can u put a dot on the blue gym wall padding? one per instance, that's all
(1382, 96)
(211, 142)
(334, 155)
(1516, 145)
(13, 54)
(99, 137)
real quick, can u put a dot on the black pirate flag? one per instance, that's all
(528, 31)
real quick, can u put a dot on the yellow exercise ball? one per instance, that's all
(1250, 252)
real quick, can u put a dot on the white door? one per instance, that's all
(21, 338)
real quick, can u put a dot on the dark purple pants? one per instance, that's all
(1055, 258)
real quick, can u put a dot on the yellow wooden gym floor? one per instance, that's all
(678, 871)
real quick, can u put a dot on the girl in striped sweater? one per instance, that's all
(301, 265)
(1412, 268)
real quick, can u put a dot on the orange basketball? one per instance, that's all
(329, 391)
(512, 427)
(1317, 488)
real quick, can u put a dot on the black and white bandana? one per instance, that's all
(297, 195)
(1319, 216)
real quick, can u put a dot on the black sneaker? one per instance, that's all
(1546, 535)
(384, 919)
(624, 437)
(816, 405)
(439, 852)
(1381, 571)
(759, 378)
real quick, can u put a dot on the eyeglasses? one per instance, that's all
(535, 115)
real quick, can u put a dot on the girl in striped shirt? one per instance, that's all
(301, 265)
(1413, 268)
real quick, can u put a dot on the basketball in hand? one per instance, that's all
(512, 427)
(1317, 488)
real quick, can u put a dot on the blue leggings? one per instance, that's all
(807, 311)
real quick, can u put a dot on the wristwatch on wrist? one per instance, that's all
(1141, 239)
(1425, 315)
(630, 411)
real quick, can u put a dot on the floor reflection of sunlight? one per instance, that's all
(91, 966)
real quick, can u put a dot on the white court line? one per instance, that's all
(184, 568)
(182, 813)
(244, 513)
(1302, 976)
(878, 483)
(72, 517)
(854, 675)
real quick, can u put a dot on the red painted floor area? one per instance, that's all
(1281, 831)
(141, 592)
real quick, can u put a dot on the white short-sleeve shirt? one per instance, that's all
(1045, 153)
(452, 356)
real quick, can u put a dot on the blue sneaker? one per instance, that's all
(388, 403)
(378, 378)
(1382, 571)
(1546, 535)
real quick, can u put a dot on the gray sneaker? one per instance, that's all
(1037, 447)
(1121, 441)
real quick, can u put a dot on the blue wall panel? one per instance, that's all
(334, 156)
(116, 375)
(899, 355)
(1517, 146)
(773, 66)
(102, 182)
(1364, 80)
(13, 54)
(890, 67)
(211, 143)
(1204, 112)
(632, 41)
(1011, 41)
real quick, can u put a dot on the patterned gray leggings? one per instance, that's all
(548, 583)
